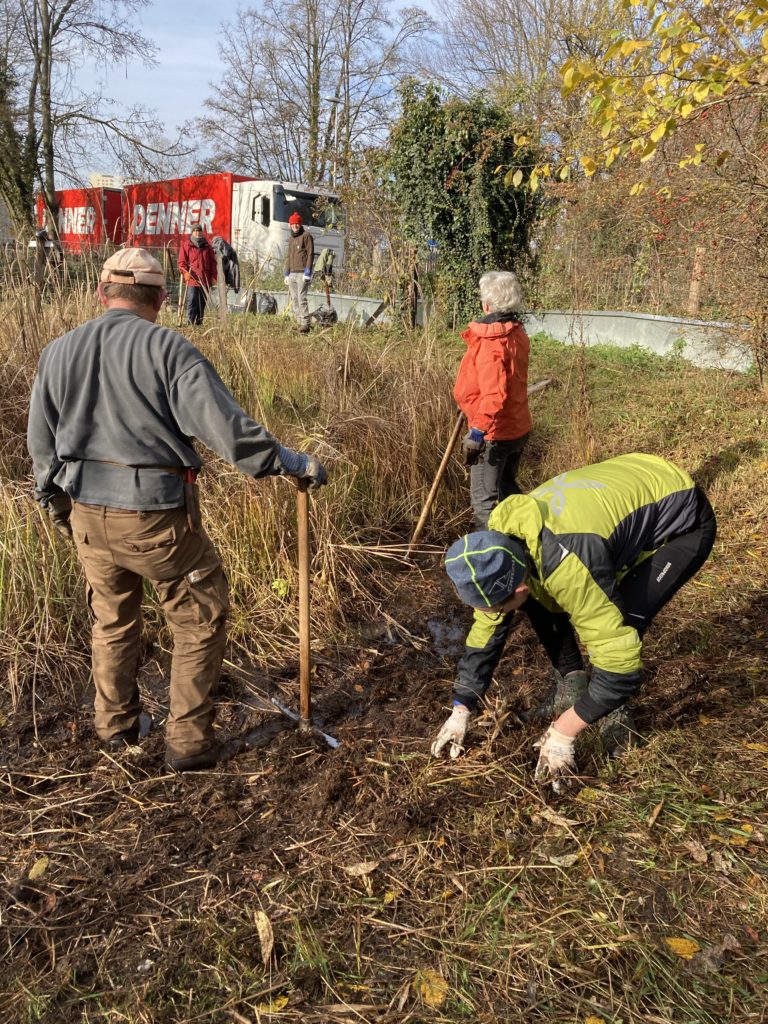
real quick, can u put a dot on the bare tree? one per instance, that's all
(305, 83)
(510, 48)
(49, 126)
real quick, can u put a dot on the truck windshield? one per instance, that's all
(315, 211)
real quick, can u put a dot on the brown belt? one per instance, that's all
(189, 485)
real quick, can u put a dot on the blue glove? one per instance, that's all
(473, 445)
(307, 272)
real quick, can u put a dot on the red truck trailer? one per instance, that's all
(160, 213)
(87, 217)
(250, 213)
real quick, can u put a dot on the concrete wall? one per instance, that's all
(701, 342)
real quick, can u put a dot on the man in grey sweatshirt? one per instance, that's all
(114, 407)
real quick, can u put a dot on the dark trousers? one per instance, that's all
(643, 592)
(494, 477)
(196, 300)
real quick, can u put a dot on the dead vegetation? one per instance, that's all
(373, 883)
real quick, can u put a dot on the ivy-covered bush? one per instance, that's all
(448, 162)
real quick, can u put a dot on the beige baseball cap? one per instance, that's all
(133, 266)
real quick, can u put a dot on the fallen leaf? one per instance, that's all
(389, 897)
(365, 867)
(696, 850)
(684, 948)
(266, 935)
(431, 986)
(273, 1006)
(720, 864)
(752, 934)
(594, 1020)
(588, 795)
(761, 747)
(566, 860)
(710, 959)
(655, 813)
(38, 869)
(552, 816)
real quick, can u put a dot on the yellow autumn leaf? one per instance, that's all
(389, 897)
(533, 183)
(38, 868)
(273, 1006)
(594, 1020)
(431, 986)
(761, 747)
(684, 948)
(266, 935)
(588, 165)
(517, 177)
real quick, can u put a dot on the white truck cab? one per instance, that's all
(260, 212)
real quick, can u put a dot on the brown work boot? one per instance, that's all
(217, 754)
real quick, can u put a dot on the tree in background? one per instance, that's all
(47, 125)
(444, 159)
(305, 84)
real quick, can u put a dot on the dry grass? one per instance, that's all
(394, 888)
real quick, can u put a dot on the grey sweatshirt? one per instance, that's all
(120, 389)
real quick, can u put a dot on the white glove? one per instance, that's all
(557, 761)
(453, 732)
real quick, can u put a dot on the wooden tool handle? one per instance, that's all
(302, 517)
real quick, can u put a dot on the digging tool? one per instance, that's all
(304, 717)
(443, 465)
(182, 296)
(436, 483)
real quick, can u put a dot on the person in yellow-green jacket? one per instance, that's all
(592, 555)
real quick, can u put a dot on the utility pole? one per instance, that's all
(335, 101)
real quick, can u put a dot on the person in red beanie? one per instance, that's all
(298, 270)
(197, 265)
(492, 391)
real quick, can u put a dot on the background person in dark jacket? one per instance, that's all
(492, 392)
(114, 408)
(197, 265)
(298, 270)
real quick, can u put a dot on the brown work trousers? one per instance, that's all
(118, 549)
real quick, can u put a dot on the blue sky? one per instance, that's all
(186, 34)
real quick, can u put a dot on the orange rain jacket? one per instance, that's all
(492, 384)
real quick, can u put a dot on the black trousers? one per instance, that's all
(196, 302)
(494, 477)
(643, 591)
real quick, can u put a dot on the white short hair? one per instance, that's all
(500, 291)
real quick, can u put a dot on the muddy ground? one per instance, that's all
(131, 894)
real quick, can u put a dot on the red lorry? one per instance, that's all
(249, 213)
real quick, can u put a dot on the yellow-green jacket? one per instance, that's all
(584, 530)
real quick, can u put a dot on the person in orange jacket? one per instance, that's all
(492, 391)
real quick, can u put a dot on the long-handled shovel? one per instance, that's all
(435, 484)
(304, 718)
(264, 733)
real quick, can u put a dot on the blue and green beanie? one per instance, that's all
(486, 567)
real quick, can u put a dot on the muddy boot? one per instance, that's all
(618, 732)
(564, 693)
(120, 741)
(217, 754)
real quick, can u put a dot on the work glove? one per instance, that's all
(307, 273)
(314, 471)
(453, 732)
(59, 510)
(473, 444)
(287, 278)
(557, 761)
